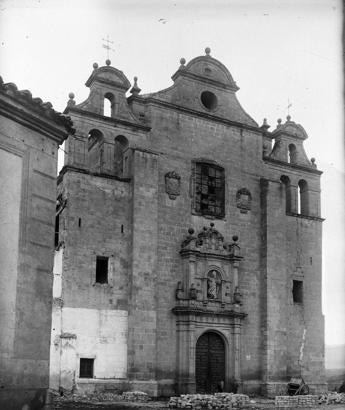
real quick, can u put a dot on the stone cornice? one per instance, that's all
(185, 110)
(312, 218)
(185, 73)
(115, 84)
(203, 311)
(110, 120)
(185, 253)
(72, 168)
(293, 166)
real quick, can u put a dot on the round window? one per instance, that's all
(209, 100)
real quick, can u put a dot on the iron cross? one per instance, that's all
(107, 45)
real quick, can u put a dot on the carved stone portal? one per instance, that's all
(172, 184)
(208, 299)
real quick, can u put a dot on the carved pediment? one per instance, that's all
(210, 240)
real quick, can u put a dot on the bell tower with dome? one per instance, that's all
(188, 249)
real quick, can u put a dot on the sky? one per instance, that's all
(278, 52)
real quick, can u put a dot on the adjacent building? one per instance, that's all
(188, 242)
(30, 133)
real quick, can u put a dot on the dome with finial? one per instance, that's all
(108, 74)
(207, 67)
(290, 128)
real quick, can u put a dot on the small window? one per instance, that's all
(209, 190)
(286, 183)
(292, 154)
(108, 105)
(86, 368)
(297, 291)
(209, 100)
(303, 197)
(121, 143)
(101, 269)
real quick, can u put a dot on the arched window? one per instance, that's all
(121, 143)
(93, 137)
(303, 197)
(108, 105)
(286, 182)
(292, 159)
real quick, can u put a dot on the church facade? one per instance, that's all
(188, 242)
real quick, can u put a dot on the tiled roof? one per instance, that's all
(36, 104)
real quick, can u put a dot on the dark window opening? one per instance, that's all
(121, 228)
(57, 225)
(94, 136)
(209, 100)
(209, 190)
(286, 182)
(79, 222)
(102, 269)
(292, 154)
(86, 368)
(121, 143)
(303, 197)
(297, 291)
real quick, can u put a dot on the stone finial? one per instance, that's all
(107, 62)
(279, 121)
(235, 238)
(313, 164)
(265, 125)
(95, 66)
(288, 118)
(207, 51)
(135, 90)
(191, 231)
(182, 62)
(71, 101)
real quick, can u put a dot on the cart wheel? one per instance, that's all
(304, 390)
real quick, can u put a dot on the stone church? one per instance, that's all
(188, 242)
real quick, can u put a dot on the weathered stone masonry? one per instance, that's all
(30, 133)
(211, 236)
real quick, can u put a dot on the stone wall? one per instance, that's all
(29, 139)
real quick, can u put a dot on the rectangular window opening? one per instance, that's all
(101, 269)
(86, 368)
(209, 195)
(297, 291)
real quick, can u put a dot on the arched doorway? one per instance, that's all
(209, 363)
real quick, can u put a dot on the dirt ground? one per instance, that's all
(259, 404)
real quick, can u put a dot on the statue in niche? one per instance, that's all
(213, 284)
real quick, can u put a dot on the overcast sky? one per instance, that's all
(277, 51)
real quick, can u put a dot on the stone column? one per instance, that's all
(185, 355)
(237, 350)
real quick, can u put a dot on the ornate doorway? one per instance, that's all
(209, 363)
